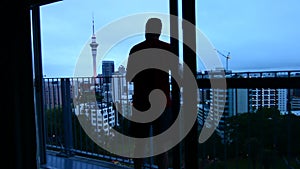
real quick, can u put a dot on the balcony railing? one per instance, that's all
(249, 133)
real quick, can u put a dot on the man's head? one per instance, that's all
(153, 28)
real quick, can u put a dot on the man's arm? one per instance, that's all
(128, 68)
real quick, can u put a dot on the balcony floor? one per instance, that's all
(77, 162)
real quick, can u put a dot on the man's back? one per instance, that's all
(149, 79)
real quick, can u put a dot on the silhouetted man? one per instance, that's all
(146, 81)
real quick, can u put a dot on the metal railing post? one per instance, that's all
(67, 117)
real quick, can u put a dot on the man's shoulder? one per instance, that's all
(138, 46)
(148, 44)
(164, 44)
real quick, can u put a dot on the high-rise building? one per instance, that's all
(120, 87)
(282, 100)
(295, 93)
(237, 101)
(295, 99)
(268, 98)
(218, 104)
(262, 98)
(108, 68)
(295, 104)
(122, 92)
(106, 78)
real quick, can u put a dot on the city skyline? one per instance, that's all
(259, 35)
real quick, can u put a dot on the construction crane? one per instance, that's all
(226, 56)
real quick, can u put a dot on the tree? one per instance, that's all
(264, 132)
(253, 146)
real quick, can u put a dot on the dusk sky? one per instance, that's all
(260, 35)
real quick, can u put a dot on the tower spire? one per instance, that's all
(93, 25)
(94, 46)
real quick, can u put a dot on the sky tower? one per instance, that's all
(94, 46)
